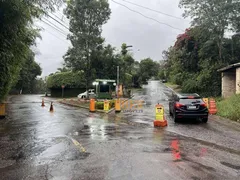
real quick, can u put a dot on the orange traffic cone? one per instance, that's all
(51, 107)
(92, 105)
(43, 102)
(212, 107)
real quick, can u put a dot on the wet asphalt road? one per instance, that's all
(72, 143)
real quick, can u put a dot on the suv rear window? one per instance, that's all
(190, 101)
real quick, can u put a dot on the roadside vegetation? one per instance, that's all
(192, 62)
(100, 105)
(88, 54)
(68, 79)
(17, 36)
(92, 56)
(229, 108)
(174, 87)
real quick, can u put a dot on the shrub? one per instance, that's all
(229, 108)
(99, 105)
(112, 103)
(69, 79)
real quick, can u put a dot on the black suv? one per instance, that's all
(182, 106)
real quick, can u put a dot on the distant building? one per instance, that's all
(230, 80)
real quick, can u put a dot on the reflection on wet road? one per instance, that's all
(72, 143)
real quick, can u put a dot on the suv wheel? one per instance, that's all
(83, 97)
(205, 120)
(170, 113)
(175, 118)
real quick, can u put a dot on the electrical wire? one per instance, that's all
(58, 22)
(147, 16)
(56, 26)
(144, 7)
(65, 35)
(60, 18)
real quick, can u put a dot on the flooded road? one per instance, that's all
(72, 143)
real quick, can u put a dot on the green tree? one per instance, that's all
(39, 86)
(126, 64)
(16, 36)
(194, 60)
(104, 62)
(148, 69)
(30, 70)
(69, 79)
(86, 20)
(215, 16)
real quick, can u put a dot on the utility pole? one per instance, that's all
(117, 80)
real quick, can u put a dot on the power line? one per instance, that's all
(54, 28)
(58, 22)
(60, 18)
(147, 16)
(144, 7)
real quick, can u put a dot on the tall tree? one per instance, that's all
(16, 36)
(215, 16)
(126, 64)
(104, 62)
(30, 70)
(86, 20)
(148, 69)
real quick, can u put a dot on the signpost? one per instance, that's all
(63, 90)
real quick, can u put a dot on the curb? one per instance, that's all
(100, 111)
(74, 105)
(170, 88)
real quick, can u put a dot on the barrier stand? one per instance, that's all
(212, 107)
(43, 104)
(51, 107)
(106, 105)
(117, 105)
(160, 120)
(92, 105)
(2, 110)
(206, 101)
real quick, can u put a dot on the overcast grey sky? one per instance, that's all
(147, 37)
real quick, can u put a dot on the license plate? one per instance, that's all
(192, 107)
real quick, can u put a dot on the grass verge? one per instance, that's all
(175, 87)
(229, 108)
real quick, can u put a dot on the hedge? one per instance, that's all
(69, 79)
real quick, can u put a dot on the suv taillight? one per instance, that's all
(204, 105)
(178, 105)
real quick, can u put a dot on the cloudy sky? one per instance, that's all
(148, 37)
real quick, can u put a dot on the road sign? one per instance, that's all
(160, 120)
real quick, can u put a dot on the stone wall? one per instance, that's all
(229, 83)
(238, 81)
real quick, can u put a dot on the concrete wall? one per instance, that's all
(238, 81)
(229, 83)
